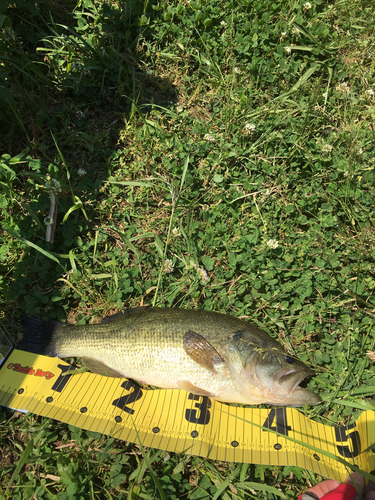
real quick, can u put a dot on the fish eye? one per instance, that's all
(288, 359)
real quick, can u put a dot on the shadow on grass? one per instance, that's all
(78, 84)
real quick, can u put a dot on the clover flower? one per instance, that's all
(9, 34)
(203, 275)
(224, 24)
(249, 128)
(237, 70)
(283, 35)
(179, 109)
(168, 266)
(307, 6)
(370, 93)
(209, 138)
(279, 306)
(272, 244)
(176, 231)
(287, 50)
(327, 148)
(53, 186)
(48, 221)
(295, 31)
(343, 87)
(81, 172)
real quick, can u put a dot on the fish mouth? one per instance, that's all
(290, 380)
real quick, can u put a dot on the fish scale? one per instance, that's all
(203, 352)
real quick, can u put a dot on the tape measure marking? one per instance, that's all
(181, 422)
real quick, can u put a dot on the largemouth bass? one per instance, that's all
(205, 353)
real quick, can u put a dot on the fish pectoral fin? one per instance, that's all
(100, 368)
(199, 349)
(185, 385)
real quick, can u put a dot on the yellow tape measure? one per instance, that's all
(177, 421)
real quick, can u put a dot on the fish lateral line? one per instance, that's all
(170, 348)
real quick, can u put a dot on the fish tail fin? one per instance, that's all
(40, 336)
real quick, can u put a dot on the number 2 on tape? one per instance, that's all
(134, 396)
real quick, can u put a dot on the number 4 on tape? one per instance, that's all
(277, 415)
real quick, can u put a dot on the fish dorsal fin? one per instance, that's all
(127, 312)
(199, 349)
(185, 385)
(101, 368)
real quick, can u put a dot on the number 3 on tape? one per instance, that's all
(202, 415)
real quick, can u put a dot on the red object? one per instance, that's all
(342, 492)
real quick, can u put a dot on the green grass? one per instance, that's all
(195, 132)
